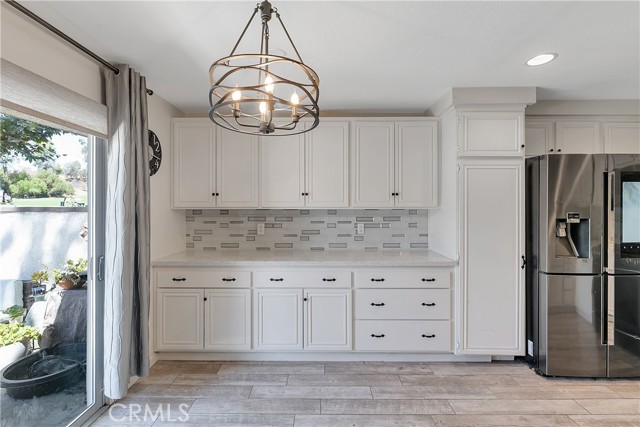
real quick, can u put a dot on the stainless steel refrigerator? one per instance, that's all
(583, 265)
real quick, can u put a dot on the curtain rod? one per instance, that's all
(65, 37)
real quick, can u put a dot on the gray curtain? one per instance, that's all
(126, 320)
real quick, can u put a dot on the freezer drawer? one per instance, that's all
(571, 341)
(623, 325)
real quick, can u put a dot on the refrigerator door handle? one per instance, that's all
(603, 312)
(611, 310)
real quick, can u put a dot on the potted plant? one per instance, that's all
(73, 274)
(14, 341)
(14, 312)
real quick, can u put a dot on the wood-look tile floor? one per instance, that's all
(364, 394)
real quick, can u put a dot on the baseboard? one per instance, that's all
(323, 357)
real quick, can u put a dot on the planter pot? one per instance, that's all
(67, 284)
(10, 353)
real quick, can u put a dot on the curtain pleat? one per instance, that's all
(127, 263)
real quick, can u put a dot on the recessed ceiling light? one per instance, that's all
(541, 59)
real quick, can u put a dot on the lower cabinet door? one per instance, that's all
(278, 319)
(179, 318)
(403, 335)
(327, 319)
(227, 319)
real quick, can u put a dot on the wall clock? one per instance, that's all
(155, 153)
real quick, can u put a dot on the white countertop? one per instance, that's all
(284, 258)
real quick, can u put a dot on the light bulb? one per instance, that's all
(236, 95)
(268, 81)
(294, 98)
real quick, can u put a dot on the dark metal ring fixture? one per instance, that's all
(262, 93)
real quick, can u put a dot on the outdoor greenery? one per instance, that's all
(24, 140)
(14, 312)
(71, 271)
(15, 332)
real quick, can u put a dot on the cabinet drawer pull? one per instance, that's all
(431, 304)
(377, 336)
(224, 279)
(276, 280)
(175, 279)
(433, 279)
(329, 280)
(377, 280)
(428, 336)
(377, 305)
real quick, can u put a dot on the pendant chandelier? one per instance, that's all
(263, 93)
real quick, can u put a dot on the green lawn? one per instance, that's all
(46, 202)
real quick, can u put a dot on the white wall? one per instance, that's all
(168, 227)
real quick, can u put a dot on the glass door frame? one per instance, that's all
(96, 189)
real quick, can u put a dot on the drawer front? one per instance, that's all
(302, 279)
(202, 278)
(403, 335)
(403, 304)
(404, 278)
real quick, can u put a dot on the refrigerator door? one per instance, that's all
(623, 325)
(622, 222)
(571, 211)
(571, 342)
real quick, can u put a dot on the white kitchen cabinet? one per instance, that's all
(278, 319)
(227, 319)
(576, 136)
(403, 309)
(236, 169)
(282, 171)
(539, 137)
(309, 169)
(213, 167)
(327, 165)
(491, 256)
(194, 151)
(202, 309)
(327, 319)
(179, 314)
(490, 133)
(394, 164)
(621, 137)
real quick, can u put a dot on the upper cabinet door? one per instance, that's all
(282, 161)
(372, 164)
(491, 134)
(416, 164)
(193, 164)
(236, 169)
(327, 171)
(578, 137)
(623, 138)
(538, 138)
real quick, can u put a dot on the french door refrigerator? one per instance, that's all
(583, 264)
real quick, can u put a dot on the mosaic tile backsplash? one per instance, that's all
(302, 229)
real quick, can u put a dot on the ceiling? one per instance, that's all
(374, 56)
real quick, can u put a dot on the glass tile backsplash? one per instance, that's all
(306, 229)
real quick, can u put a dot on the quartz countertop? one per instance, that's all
(284, 258)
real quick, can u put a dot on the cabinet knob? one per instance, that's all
(431, 304)
(428, 336)
(559, 150)
(175, 279)
(377, 304)
(304, 299)
(377, 280)
(205, 299)
(522, 146)
(551, 150)
(433, 279)
(377, 336)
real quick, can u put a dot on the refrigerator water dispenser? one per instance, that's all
(573, 235)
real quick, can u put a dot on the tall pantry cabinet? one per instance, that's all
(483, 175)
